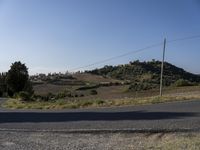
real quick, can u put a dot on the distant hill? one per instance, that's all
(146, 72)
(135, 76)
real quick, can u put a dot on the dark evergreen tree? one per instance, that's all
(18, 79)
(3, 86)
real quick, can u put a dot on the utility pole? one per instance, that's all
(162, 68)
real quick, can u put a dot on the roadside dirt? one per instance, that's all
(117, 141)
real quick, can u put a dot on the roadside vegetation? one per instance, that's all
(93, 103)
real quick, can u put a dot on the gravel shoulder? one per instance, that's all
(117, 141)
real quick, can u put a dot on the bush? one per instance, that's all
(182, 82)
(93, 92)
(24, 96)
(43, 98)
(99, 102)
(50, 96)
(37, 97)
(141, 86)
(61, 95)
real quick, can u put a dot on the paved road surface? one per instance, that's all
(170, 116)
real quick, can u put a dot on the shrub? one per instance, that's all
(182, 82)
(141, 86)
(24, 96)
(37, 97)
(50, 96)
(61, 95)
(93, 92)
(47, 97)
(99, 102)
(85, 103)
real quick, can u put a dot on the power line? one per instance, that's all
(184, 38)
(119, 56)
(135, 51)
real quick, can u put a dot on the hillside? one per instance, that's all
(58, 82)
(146, 72)
(135, 76)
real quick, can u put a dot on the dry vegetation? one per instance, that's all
(97, 102)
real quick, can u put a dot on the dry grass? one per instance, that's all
(62, 104)
(109, 97)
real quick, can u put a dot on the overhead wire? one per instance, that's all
(134, 52)
(118, 56)
(184, 38)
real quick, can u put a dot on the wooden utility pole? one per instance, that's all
(162, 68)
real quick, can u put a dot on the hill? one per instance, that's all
(135, 76)
(147, 73)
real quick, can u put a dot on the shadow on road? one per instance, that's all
(8, 117)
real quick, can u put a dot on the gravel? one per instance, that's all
(106, 141)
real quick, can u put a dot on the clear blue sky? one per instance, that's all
(59, 35)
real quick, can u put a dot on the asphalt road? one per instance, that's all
(168, 116)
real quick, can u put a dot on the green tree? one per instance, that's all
(2, 83)
(18, 79)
